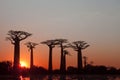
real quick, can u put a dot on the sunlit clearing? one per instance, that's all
(23, 64)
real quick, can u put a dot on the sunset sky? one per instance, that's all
(95, 21)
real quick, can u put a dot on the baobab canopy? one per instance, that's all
(17, 35)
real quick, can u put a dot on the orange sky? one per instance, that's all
(41, 55)
(96, 22)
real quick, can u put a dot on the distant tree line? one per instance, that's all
(6, 68)
(17, 36)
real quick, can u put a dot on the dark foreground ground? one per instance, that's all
(62, 77)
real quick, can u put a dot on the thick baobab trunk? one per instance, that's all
(31, 58)
(64, 62)
(85, 63)
(79, 61)
(50, 61)
(16, 56)
(61, 61)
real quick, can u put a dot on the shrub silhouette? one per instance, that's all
(5, 67)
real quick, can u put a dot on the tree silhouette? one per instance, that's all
(15, 37)
(79, 46)
(31, 46)
(85, 61)
(5, 67)
(65, 52)
(51, 44)
(62, 46)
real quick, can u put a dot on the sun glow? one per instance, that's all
(23, 64)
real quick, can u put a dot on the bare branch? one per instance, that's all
(18, 35)
(77, 45)
(31, 45)
(66, 52)
(73, 46)
(61, 41)
(9, 38)
(50, 43)
(24, 35)
(65, 46)
(84, 47)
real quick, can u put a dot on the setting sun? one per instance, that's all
(23, 64)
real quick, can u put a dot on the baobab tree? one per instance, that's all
(31, 46)
(62, 46)
(65, 52)
(51, 44)
(85, 61)
(16, 37)
(79, 46)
